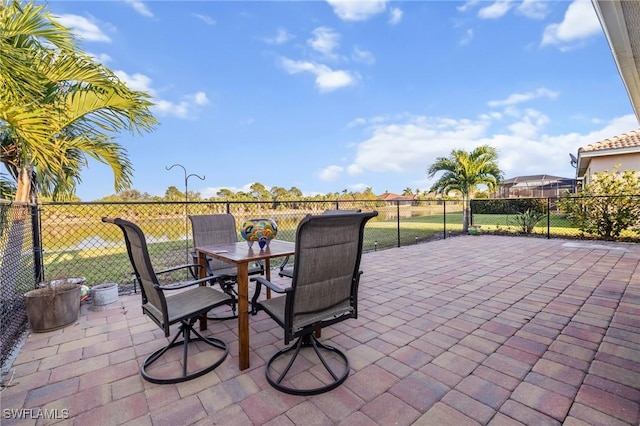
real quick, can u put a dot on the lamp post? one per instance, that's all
(186, 200)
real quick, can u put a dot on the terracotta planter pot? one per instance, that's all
(51, 308)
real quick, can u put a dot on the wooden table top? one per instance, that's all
(241, 252)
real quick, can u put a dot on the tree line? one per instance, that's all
(257, 192)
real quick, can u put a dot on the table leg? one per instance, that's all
(243, 315)
(267, 275)
(202, 261)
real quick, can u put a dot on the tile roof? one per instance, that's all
(625, 140)
(390, 196)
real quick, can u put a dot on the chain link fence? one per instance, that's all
(62, 240)
(76, 242)
(599, 218)
(18, 270)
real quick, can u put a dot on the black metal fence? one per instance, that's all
(601, 218)
(60, 240)
(17, 270)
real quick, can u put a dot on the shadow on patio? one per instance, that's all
(467, 330)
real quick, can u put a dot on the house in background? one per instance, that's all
(606, 154)
(535, 186)
(395, 199)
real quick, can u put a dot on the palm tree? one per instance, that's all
(58, 107)
(464, 171)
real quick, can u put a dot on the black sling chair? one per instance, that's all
(184, 307)
(323, 291)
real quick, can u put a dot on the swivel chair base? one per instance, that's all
(186, 327)
(305, 342)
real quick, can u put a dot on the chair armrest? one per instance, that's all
(259, 280)
(272, 286)
(177, 268)
(286, 273)
(178, 286)
(284, 263)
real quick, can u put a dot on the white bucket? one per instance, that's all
(104, 294)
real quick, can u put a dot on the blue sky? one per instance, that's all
(333, 95)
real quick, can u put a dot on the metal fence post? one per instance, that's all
(548, 217)
(398, 213)
(38, 267)
(444, 219)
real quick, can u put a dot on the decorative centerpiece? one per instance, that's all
(260, 230)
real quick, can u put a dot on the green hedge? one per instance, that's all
(509, 206)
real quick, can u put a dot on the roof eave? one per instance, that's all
(611, 15)
(583, 164)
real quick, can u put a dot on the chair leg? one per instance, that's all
(307, 341)
(186, 327)
(229, 289)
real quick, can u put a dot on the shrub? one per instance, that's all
(527, 220)
(607, 206)
(509, 205)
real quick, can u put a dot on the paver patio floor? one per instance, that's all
(464, 331)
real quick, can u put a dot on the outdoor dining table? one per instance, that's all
(240, 254)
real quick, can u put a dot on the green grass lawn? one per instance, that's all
(111, 264)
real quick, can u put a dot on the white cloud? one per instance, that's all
(281, 37)
(140, 7)
(164, 107)
(361, 55)
(136, 81)
(466, 39)
(354, 169)
(529, 125)
(102, 58)
(358, 187)
(395, 16)
(182, 109)
(468, 5)
(517, 98)
(205, 18)
(326, 79)
(360, 121)
(495, 10)
(580, 22)
(357, 10)
(330, 173)
(200, 98)
(413, 145)
(534, 9)
(410, 146)
(325, 40)
(83, 28)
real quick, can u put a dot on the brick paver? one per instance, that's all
(472, 330)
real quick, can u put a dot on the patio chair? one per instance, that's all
(288, 271)
(213, 229)
(183, 306)
(323, 291)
